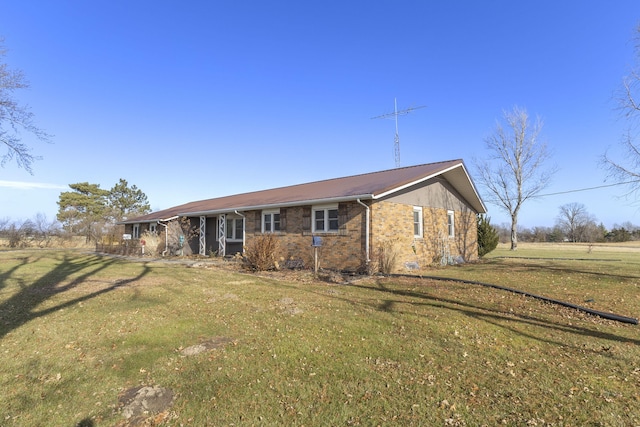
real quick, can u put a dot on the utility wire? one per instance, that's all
(589, 188)
(576, 190)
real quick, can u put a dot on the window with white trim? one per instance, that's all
(135, 231)
(235, 227)
(153, 227)
(417, 222)
(325, 219)
(450, 224)
(271, 221)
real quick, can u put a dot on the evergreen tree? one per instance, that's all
(487, 236)
(92, 212)
(82, 210)
(127, 201)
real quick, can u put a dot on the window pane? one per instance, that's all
(417, 223)
(333, 219)
(229, 229)
(319, 220)
(276, 222)
(238, 234)
(267, 223)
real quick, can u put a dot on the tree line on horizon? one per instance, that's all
(86, 210)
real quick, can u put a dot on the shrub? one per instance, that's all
(260, 253)
(387, 256)
(487, 236)
(154, 243)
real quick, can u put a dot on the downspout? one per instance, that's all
(244, 225)
(166, 237)
(166, 232)
(366, 236)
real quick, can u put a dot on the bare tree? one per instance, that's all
(626, 170)
(515, 169)
(15, 117)
(577, 224)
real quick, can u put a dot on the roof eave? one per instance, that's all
(279, 205)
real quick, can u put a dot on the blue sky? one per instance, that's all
(198, 99)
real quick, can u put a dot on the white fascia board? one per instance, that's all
(473, 186)
(412, 183)
(279, 205)
(149, 221)
(418, 181)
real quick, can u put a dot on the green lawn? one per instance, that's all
(77, 330)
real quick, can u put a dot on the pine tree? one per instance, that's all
(487, 236)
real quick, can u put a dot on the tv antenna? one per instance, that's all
(394, 115)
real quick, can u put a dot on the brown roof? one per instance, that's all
(366, 186)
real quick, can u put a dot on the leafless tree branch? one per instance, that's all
(16, 118)
(515, 169)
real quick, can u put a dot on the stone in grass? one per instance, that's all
(207, 345)
(145, 401)
(412, 265)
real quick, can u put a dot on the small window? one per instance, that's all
(450, 224)
(153, 227)
(417, 221)
(325, 219)
(270, 221)
(234, 229)
(135, 231)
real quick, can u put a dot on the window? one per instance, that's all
(153, 227)
(417, 221)
(135, 231)
(235, 227)
(325, 219)
(270, 221)
(450, 224)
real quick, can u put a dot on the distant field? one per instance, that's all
(79, 332)
(567, 249)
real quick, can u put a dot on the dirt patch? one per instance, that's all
(210, 344)
(288, 306)
(141, 403)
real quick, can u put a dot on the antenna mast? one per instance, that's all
(394, 115)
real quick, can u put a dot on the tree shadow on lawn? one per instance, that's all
(561, 269)
(21, 308)
(496, 317)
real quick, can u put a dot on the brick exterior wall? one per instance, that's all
(391, 228)
(343, 250)
(394, 245)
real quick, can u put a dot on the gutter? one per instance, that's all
(366, 236)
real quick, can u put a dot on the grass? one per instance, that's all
(77, 330)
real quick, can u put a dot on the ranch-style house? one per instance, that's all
(418, 215)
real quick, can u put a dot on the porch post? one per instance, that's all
(222, 234)
(203, 236)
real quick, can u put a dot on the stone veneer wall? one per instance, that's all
(343, 250)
